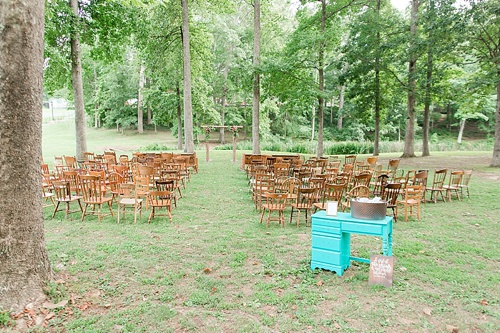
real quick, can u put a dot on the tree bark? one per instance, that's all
(188, 106)
(377, 91)
(77, 82)
(495, 161)
(96, 103)
(140, 111)
(409, 147)
(321, 82)
(428, 86)
(461, 130)
(24, 261)
(179, 117)
(341, 107)
(223, 102)
(256, 78)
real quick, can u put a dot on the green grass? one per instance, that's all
(217, 269)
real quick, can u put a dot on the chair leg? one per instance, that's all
(55, 209)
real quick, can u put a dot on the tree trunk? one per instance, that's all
(495, 162)
(96, 103)
(25, 266)
(377, 91)
(223, 101)
(76, 74)
(179, 117)
(428, 86)
(341, 106)
(427, 108)
(256, 78)
(409, 147)
(140, 112)
(188, 106)
(461, 130)
(321, 82)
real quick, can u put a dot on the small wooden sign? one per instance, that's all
(381, 270)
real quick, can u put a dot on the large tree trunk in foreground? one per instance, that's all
(188, 106)
(256, 79)
(24, 264)
(77, 81)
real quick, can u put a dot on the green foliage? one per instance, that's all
(346, 148)
(156, 147)
(5, 319)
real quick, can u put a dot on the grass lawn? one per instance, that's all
(217, 269)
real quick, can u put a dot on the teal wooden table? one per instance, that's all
(331, 239)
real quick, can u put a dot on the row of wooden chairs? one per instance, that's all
(157, 188)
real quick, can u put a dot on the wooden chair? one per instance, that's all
(281, 169)
(362, 180)
(464, 185)
(304, 202)
(318, 183)
(176, 177)
(421, 179)
(360, 191)
(453, 185)
(70, 161)
(274, 203)
(88, 156)
(379, 184)
(158, 200)
(411, 201)
(390, 193)
(291, 186)
(62, 191)
(264, 185)
(437, 187)
(127, 197)
(142, 187)
(74, 181)
(168, 185)
(392, 166)
(350, 159)
(95, 195)
(333, 192)
(48, 194)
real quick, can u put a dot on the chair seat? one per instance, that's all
(129, 201)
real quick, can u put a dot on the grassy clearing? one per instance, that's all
(216, 269)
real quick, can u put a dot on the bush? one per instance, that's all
(349, 147)
(155, 147)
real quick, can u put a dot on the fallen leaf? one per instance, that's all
(452, 329)
(207, 270)
(50, 316)
(319, 283)
(484, 302)
(85, 306)
(427, 311)
(62, 304)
